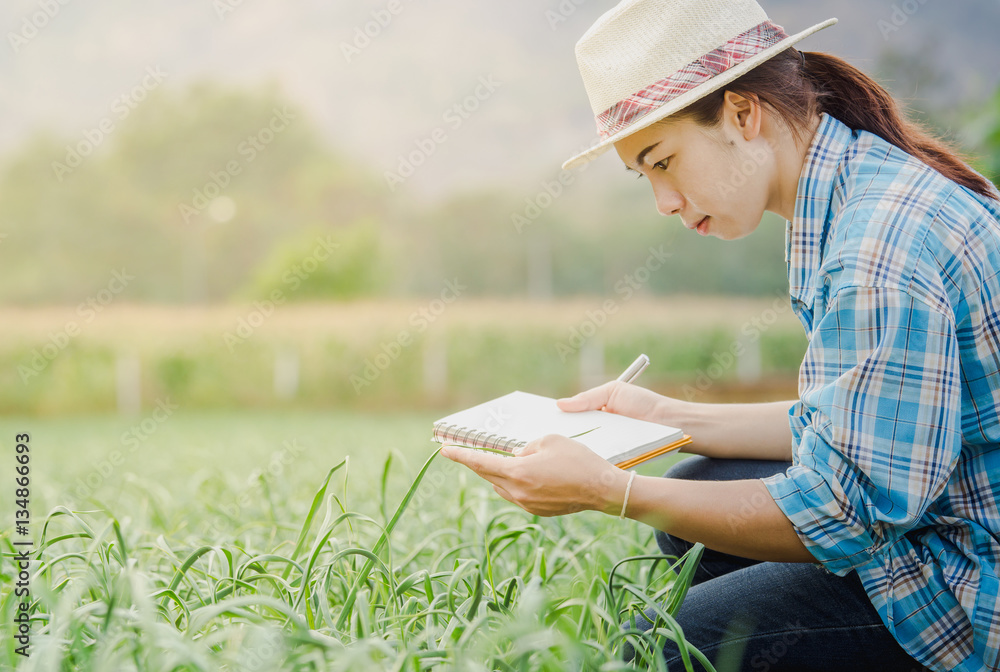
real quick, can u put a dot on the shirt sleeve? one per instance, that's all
(877, 427)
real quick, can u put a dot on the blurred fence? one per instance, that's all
(388, 356)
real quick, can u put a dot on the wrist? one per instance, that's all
(628, 491)
(614, 495)
(686, 415)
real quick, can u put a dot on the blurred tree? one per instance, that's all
(209, 193)
(468, 237)
(616, 231)
(316, 264)
(989, 140)
(189, 193)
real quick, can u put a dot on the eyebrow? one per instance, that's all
(642, 155)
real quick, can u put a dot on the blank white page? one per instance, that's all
(525, 417)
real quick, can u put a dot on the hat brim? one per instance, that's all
(685, 99)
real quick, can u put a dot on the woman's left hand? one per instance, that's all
(550, 476)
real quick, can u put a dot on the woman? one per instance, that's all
(857, 527)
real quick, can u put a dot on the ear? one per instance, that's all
(744, 113)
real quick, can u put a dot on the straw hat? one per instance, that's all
(646, 59)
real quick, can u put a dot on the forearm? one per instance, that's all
(555, 475)
(747, 431)
(736, 517)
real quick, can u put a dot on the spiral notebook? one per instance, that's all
(515, 419)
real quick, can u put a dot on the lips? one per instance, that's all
(701, 226)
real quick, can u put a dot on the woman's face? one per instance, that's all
(716, 179)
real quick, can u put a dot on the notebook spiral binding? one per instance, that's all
(474, 438)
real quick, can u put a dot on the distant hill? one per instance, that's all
(377, 95)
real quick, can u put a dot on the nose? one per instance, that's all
(668, 200)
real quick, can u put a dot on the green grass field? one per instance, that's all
(296, 541)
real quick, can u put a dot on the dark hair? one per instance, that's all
(797, 85)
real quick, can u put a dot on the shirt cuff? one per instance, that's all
(827, 532)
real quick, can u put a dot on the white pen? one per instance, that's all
(634, 369)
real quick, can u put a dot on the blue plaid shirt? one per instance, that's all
(894, 271)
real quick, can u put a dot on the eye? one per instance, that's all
(659, 165)
(662, 165)
(638, 175)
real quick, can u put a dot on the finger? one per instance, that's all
(528, 449)
(484, 464)
(589, 400)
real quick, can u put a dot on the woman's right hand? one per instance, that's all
(750, 431)
(624, 399)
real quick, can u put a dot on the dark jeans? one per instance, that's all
(751, 615)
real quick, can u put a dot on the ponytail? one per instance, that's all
(797, 85)
(846, 93)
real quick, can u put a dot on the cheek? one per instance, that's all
(711, 190)
(751, 171)
(719, 194)
(722, 184)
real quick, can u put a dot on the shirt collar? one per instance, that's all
(816, 201)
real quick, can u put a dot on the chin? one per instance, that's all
(734, 232)
(728, 234)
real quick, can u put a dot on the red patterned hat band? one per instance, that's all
(735, 51)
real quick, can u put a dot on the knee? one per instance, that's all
(701, 468)
(694, 468)
(670, 545)
(637, 630)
